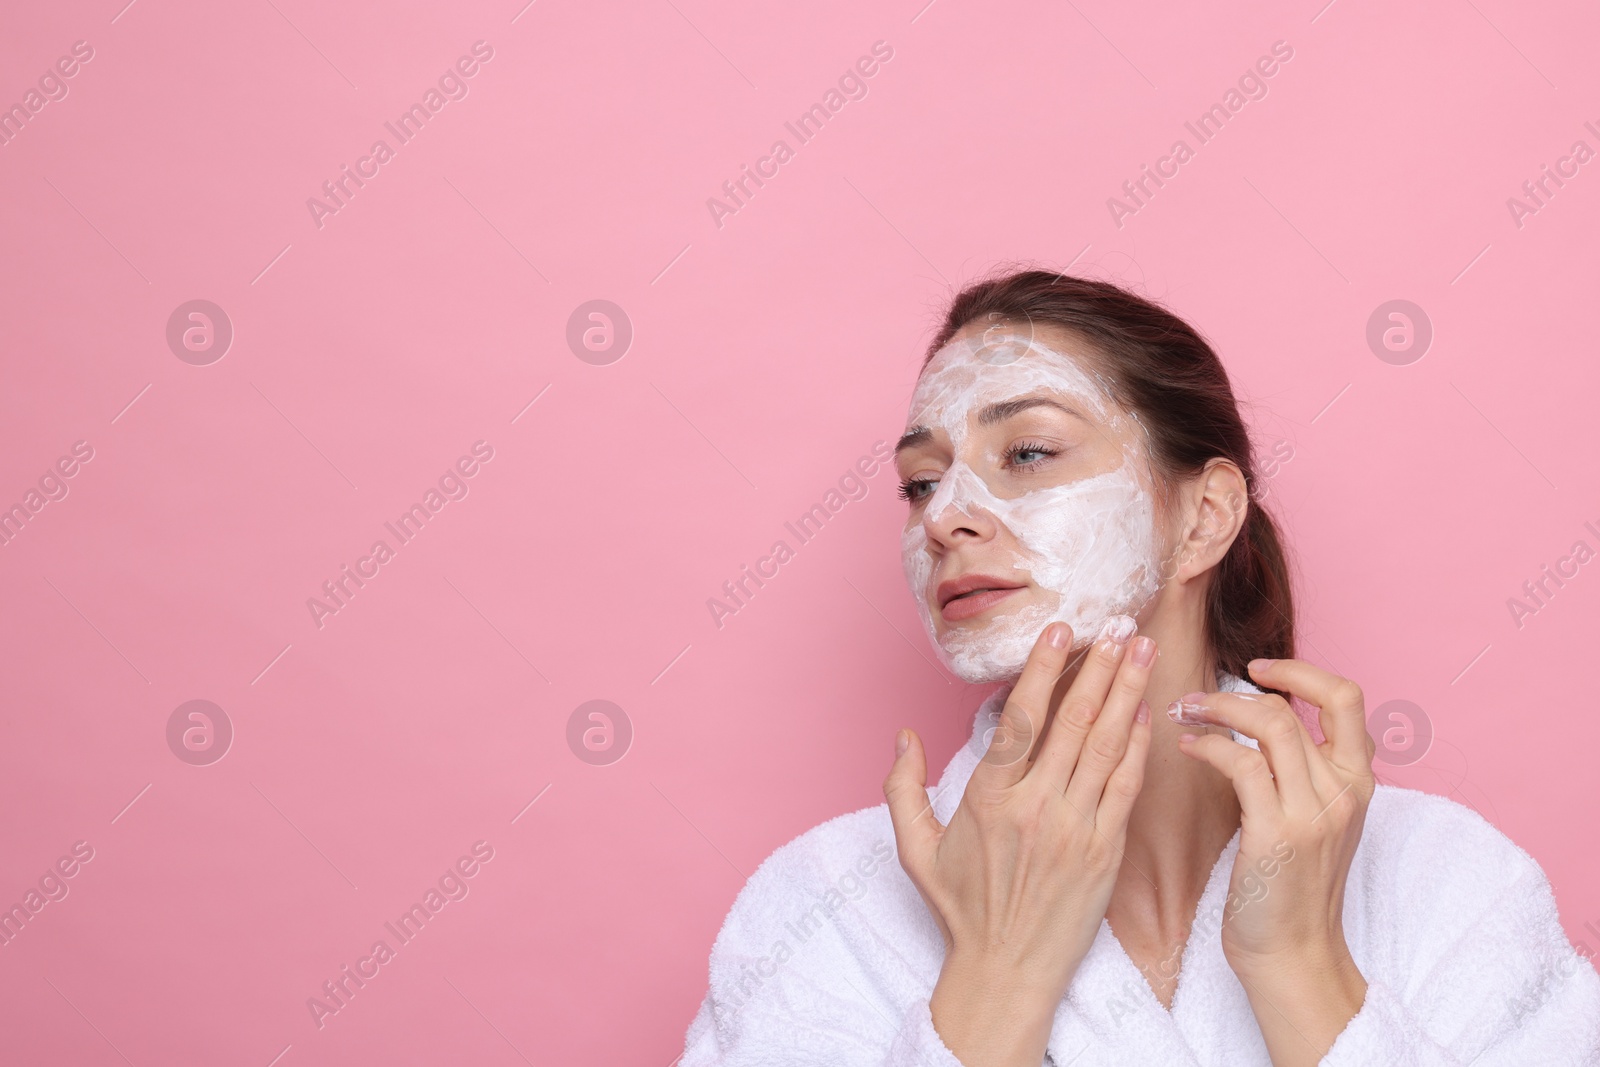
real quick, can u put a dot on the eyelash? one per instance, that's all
(1011, 453)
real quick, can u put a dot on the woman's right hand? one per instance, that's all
(1020, 878)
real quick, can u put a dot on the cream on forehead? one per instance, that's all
(1089, 545)
(971, 373)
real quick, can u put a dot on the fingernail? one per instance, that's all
(1118, 629)
(1187, 737)
(1261, 664)
(1059, 633)
(1143, 714)
(1144, 651)
(1187, 713)
(902, 741)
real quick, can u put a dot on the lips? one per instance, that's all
(972, 594)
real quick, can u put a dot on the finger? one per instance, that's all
(1323, 773)
(1082, 704)
(1122, 788)
(1022, 718)
(916, 830)
(1278, 730)
(1341, 707)
(1107, 741)
(1245, 767)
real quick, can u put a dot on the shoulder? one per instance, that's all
(1459, 924)
(834, 863)
(818, 911)
(824, 948)
(1430, 872)
(1420, 838)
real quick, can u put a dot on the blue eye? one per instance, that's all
(1017, 453)
(1025, 455)
(912, 491)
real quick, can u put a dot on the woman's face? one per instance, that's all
(1031, 498)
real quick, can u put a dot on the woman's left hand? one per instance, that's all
(1303, 805)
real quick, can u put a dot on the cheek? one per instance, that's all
(914, 558)
(1095, 531)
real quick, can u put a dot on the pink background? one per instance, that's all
(768, 355)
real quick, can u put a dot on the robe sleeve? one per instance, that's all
(1507, 989)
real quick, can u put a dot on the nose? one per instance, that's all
(960, 508)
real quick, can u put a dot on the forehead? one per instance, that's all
(986, 363)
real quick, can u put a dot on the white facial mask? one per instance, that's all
(1089, 545)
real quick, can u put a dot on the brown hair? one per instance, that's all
(1162, 369)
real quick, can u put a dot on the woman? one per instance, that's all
(1090, 882)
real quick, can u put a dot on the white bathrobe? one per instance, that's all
(829, 955)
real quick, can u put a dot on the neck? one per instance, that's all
(1186, 811)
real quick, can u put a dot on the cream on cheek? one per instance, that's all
(1089, 545)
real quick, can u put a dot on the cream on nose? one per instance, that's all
(962, 489)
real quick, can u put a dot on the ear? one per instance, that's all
(1214, 505)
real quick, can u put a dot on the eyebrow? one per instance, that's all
(990, 415)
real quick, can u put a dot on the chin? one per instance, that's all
(982, 671)
(992, 650)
